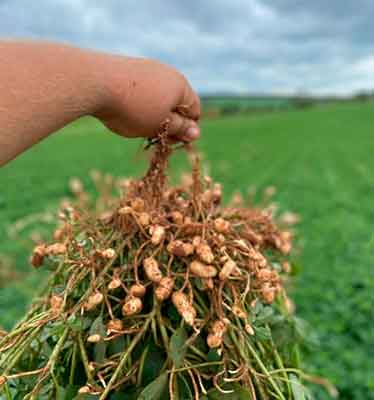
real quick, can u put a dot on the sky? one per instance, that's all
(317, 47)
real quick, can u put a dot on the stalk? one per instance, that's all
(124, 358)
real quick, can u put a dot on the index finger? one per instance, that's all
(190, 106)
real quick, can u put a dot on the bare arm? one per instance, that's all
(44, 86)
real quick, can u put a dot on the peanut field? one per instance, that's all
(321, 162)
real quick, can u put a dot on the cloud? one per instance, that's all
(237, 45)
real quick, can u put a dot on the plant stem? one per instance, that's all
(84, 358)
(265, 371)
(125, 357)
(73, 364)
(141, 366)
(7, 392)
(281, 367)
(201, 365)
(49, 368)
(19, 352)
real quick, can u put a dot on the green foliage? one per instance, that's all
(177, 347)
(155, 389)
(321, 162)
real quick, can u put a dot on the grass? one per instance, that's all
(321, 162)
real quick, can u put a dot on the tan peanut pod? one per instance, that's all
(248, 328)
(221, 225)
(108, 253)
(3, 380)
(152, 270)
(286, 266)
(59, 233)
(163, 291)
(158, 234)
(258, 258)
(208, 180)
(56, 249)
(84, 390)
(220, 239)
(94, 300)
(217, 193)
(184, 307)
(132, 306)
(180, 249)
(125, 210)
(96, 338)
(201, 270)
(228, 268)
(144, 219)
(189, 315)
(114, 326)
(264, 275)
(186, 180)
(76, 186)
(289, 304)
(207, 197)
(188, 221)
(219, 327)
(56, 303)
(177, 217)
(205, 253)
(268, 293)
(38, 255)
(106, 217)
(289, 218)
(236, 200)
(138, 204)
(239, 312)
(196, 241)
(180, 300)
(137, 290)
(213, 340)
(115, 283)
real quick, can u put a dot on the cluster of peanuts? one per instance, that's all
(158, 257)
(187, 237)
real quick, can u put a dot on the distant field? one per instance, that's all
(248, 103)
(321, 160)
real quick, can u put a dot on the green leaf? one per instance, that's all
(213, 355)
(78, 324)
(239, 393)
(98, 327)
(265, 315)
(155, 389)
(177, 347)
(297, 388)
(71, 391)
(116, 346)
(262, 333)
(153, 362)
(184, 386)
(100, 352)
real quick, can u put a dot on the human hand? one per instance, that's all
(142, 94)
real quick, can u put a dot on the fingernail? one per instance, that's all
(193, 132)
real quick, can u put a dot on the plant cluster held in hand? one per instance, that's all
(158, 293)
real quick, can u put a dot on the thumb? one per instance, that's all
(182, 128)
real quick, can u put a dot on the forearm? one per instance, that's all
(43, 87)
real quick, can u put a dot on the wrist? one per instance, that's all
(110, 78)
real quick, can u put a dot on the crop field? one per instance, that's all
(321, 162)
(248, 103)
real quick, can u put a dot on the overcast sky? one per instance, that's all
(256, 46)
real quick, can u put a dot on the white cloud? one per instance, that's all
(236, 45)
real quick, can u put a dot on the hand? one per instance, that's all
(143, 94)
